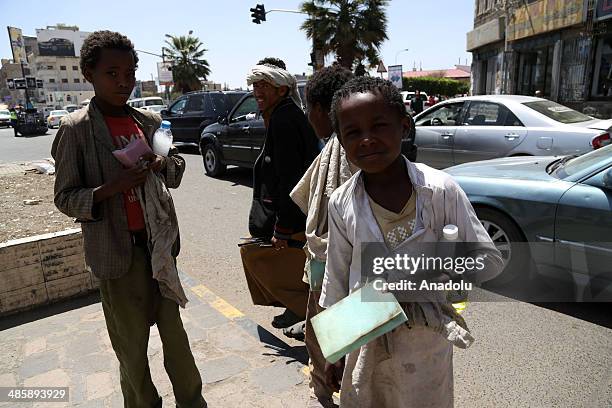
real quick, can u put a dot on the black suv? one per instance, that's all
(192, 112)
(237, 139)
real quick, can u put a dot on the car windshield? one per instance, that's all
(557, 112)
(4, 112)
(573, 165)
(151, 102)
(59, 112)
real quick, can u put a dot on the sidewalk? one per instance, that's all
(242, 364)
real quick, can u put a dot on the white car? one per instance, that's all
(484, 127)
(155, 108)
(55, 117)
(407, 98)
(5, 117)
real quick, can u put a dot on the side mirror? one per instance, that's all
(607, 179)
(165, 112)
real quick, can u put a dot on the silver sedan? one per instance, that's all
(484, 127)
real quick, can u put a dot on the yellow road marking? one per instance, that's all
(306, 371)
(216, 302)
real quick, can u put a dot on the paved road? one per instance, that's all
(524, 355)
(17, 149)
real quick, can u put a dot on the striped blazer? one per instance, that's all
(82, 150)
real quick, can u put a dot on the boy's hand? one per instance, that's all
(333, 374)
(279, 243)
(131, 178)
(155, 161)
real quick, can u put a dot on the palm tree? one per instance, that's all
(353, 30)
(188, 66)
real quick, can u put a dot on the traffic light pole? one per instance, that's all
(259, 14)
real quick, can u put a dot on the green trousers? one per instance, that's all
(131, 303)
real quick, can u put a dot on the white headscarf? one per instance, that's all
(277, 77)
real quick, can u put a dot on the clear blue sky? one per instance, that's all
(433, 31)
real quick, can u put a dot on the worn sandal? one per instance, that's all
(286, 319)
(296, 331)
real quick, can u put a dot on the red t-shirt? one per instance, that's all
(123, 130)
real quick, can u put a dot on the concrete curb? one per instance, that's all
(43, 269)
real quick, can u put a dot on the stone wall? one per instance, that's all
(43, 269)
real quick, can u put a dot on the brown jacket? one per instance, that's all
(82, 150)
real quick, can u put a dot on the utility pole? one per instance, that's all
(27, 95)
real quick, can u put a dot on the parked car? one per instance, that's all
(147, 101)
(560, 205)
(237, 139)
(155, 108)
(55, 117)
(407, 98)
(192, 112)
(5, 118)
(489, 126)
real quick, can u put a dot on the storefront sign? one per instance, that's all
(486, 33)
(604, 9)
(543, 16)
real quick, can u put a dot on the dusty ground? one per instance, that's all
(18, 220)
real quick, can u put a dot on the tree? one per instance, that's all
(353, 30)
(188, 66)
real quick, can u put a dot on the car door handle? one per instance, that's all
(447, 136)
(246, 129)
(511, 136)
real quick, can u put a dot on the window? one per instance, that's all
(64, 80)
(602, 77)
(511, 119)
(178, 106)
(77, 81)
(557, 112)
(62, 67)
(195, 104)
(51, 80)
(247, 108)
(445, 115)
(152, 102)
(49, 66)
(75, 68)
(485, 114)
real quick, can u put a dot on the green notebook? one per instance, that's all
(316, 272)
(352, 322)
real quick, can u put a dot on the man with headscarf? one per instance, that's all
(274, 259)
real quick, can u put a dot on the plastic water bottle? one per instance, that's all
(162, 139)
(450, 233)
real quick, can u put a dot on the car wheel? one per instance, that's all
(212, 162)
(510, 242)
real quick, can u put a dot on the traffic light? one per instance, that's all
(313, 60)
(258, 14)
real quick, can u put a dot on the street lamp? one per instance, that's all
(398, 53)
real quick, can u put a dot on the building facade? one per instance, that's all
(53, 57)
(561, 48)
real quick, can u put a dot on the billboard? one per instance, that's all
(164, 72)
(59, 42)
(17, 45)
(543, 16)
(395, 75)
